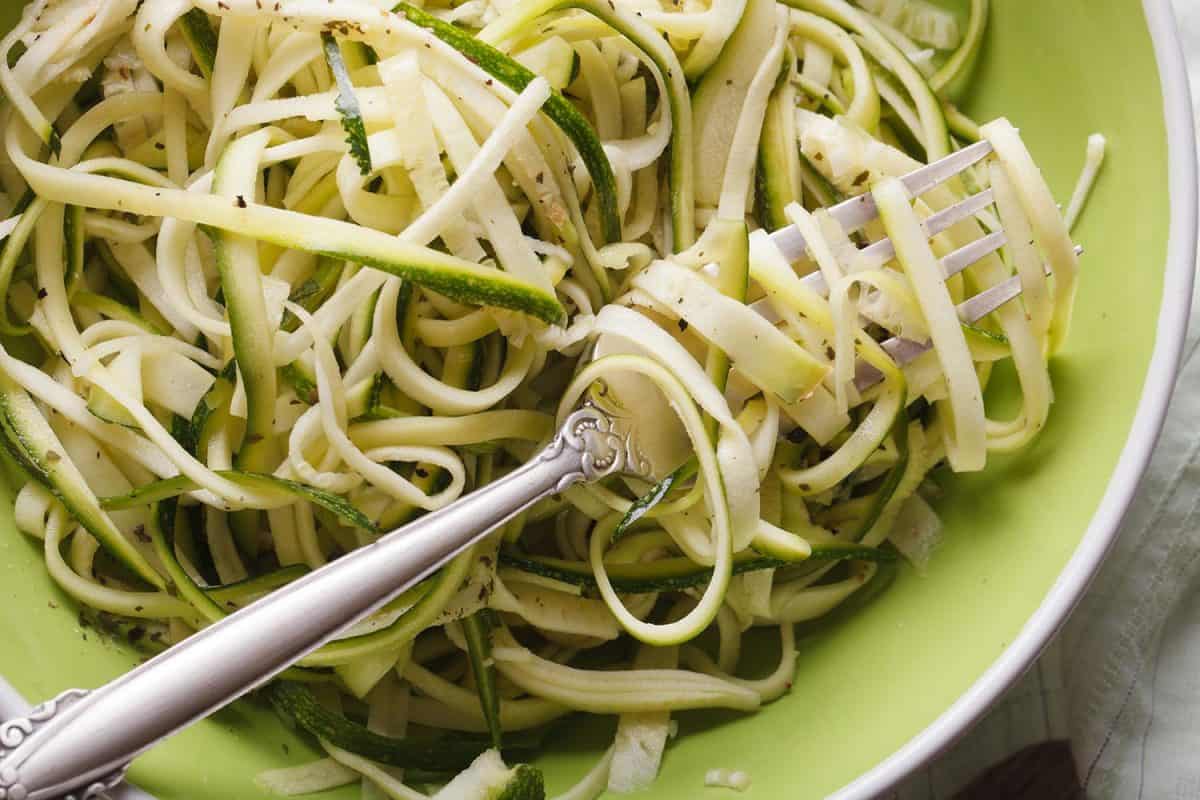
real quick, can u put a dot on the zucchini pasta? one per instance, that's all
(280, 277)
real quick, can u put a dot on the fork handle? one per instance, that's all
(82, 743)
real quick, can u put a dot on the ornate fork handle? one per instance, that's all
(83, 742)
(14, 733)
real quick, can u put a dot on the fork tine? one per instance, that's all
(967, 255)
(952, 264)
(922, 180)
(883, 250)
(987, 301)
(790, 242)
(856, 212)
(981, 305)
(904, 351)
(852, 214)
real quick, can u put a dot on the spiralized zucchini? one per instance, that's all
(280, 277)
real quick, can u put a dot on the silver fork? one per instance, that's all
(854, 213)
(80, 744)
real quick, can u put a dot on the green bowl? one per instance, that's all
(880, 690)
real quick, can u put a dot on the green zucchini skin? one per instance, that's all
(314, 291)
(719, 96)
(681, 168)
(238, 264)
(446, 754)
(115, 309)
(517, 76)
(823, 191)
(241, 591)
(556, 61)
(347, 104)
(674, 574)
(181, 484)
(777, 177)
(888, 490)
(527, 783)
(303, 384)
(477, 629)
(241, 283)
(162, 534)
(657, 493)
(499, 290)
(33, 443)
(201, 39)
(30, 207)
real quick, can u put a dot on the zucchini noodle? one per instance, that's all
(282, 277)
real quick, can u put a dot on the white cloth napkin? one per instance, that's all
(1122, 680)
